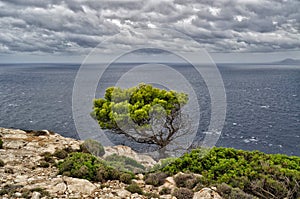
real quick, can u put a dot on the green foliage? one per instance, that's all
(44, 164)
(87, 166)
(150, 195)
(183, 193)
(60, 154)
(1, 163)
(186, 180)
(137, 104)
(126, 178)
(156, 179)
(162, 163)
(47, 157)
(228, 192)
(165, 191)
(1, 144)
(134, 188)
(256, 173)
(93, 147)
(124, 163)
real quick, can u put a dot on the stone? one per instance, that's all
(206, 193)
(75, 185)
(169, 183)
(36, 195)
(145, 160)
(123, 193)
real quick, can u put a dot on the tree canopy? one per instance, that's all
(144, 113)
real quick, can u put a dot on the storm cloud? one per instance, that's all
(77, 26)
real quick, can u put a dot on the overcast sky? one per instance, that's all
(230, 30)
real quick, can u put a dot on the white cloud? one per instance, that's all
(76, 26)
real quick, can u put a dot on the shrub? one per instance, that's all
(255, 173)
(60, 153)
(186, 180)
(228, 192)
(156, 179)
(87, 166)
(93, 147)
(1, 163)
(44, 164)
(183, 193)
(124, 163)
(165, 191)
(39, 133)
(1, 144)
(126, 178)
(80, 165)
(48, 157)
(150, 195)
(134, 188)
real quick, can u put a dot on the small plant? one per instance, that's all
(1, 163)
(47, 156)
(186, 180)
(165, 191)
(87, 166)
(134, 188)
(156, 179)
(228, 192)
(80, 165)
(39, 133)
(60, 154)
(183, 193)
(1, 144)
(124, 163)
(93, 147)
(150, 195)
(44, 164)
(126, 178)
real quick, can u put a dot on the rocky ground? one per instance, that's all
(23, 175)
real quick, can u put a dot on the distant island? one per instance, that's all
(288, 61)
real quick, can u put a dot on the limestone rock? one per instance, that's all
(75, 185)
(206, 193)
(145, 160)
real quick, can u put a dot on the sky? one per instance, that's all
(229, 30)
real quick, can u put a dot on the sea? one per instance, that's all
(263, 102)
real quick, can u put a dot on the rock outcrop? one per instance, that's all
(24, 174)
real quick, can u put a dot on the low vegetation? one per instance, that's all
(252, 174)
(124, 163)
(93, 147)
(87, 166)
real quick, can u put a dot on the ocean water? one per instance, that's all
(263, 102)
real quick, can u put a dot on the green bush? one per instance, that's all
(93, 147)
(253, 172)
(1, 163)
(47, 157)
(80, 165)
(150, 195)
(124, 163)
(165, 191)
(44, 164)
(87, 166)
(60, 153)
(1, 144)
(228, 192)
(156, 179)
(126, 178)
(134, 188)
(186, 180)
(183, 193)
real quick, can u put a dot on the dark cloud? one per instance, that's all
(77, 26)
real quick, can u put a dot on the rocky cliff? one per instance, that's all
(25, 174)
